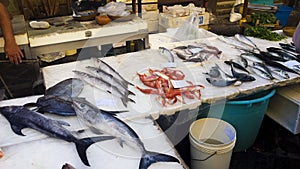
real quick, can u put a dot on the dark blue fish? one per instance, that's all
(20, 117)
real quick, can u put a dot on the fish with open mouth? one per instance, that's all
(103, 122)
(102, 84)
(20, 117)
(69, 87)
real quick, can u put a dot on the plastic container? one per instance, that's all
(244, 114)
(212, 141)
(283, 14)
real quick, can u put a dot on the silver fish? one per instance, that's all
(104, 66)
(20, 117)
(281, 73)
(101, 121)
(246, 41)
(104, 85)
(261, 73)
(110, 79)
(220, 82)
(166, 52)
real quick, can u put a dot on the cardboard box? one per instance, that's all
(284, 107)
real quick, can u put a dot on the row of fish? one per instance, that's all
(197, 52)
(268, 64)
(62, 99)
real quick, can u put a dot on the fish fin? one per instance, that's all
(18, 129)
(149, 158)
(83, 144)
(124, 101)
(114, 113)
(95, 130)
(63, 123)
(30, 105)
(121, 142)
(130, 93)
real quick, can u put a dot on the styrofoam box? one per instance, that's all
(150, 15)
(168, 21)
(152, 26)
(284, 107)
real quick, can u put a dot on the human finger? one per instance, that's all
(10, 58)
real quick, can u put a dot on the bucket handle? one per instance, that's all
(206, 157)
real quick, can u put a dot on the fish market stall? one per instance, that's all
(129, 64)
(37, 150)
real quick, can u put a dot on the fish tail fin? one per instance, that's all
(130, 93)
(149, 158)
(83, 144)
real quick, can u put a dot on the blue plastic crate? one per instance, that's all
(283, 14)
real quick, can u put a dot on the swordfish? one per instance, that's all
(103, 122)
(20, 117)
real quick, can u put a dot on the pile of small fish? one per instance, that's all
(267, 64)
(197, 52)
(160, 84)
(105, 78)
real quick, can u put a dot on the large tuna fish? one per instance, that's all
(20, 117)
(105, 122)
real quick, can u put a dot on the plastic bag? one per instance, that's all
(114, 9)
(189, 29)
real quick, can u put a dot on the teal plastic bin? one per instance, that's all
(261, 2)
(245, 115)
(283, 14)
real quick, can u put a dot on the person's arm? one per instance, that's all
(296, 38)
(12, 50)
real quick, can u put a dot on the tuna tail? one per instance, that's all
(83, 144)
(149, 158)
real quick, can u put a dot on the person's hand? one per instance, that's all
(13, 53)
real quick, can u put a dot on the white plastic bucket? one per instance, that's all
(212, 141)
